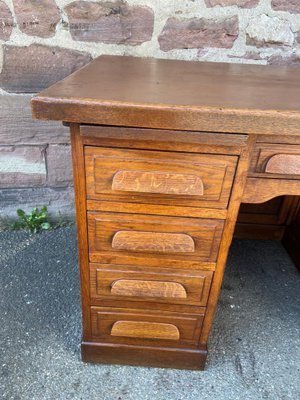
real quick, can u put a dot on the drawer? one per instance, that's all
(276, 159)
(159, 177)
(129, 239)
(143, 284)
(145, 327)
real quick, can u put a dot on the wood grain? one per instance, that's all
(211, 97)
(166, 140)
(158, 242)
(158, 182)
(80, 203)
(281, 159)
(102, 227)
(215, 172)
(149, 285)
(259, 190)
(148, 356)
(145, 330)
(104, 318)
(284, 164)
(283, 139)
(139, 288)
(155, 209)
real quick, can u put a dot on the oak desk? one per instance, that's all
(164, 152)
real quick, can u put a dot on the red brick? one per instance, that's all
(6, 22)
(22, 166)
(292, 6)
(226, 3)
(110, 22)
(59, 165)
(31, 69)
(198, 33)
(37, 18)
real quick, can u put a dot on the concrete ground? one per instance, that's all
(254, 347)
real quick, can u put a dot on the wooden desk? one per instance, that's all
(164, 152)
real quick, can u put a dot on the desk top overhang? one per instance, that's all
(182, 95)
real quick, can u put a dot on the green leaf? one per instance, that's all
(21, 213)
(40, 216)
(45, 225)
(34, 221)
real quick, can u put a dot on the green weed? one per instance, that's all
(34, 221)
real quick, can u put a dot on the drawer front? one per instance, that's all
(130, 238)
(276, 159)
(159, 177)
(136, 326)
(142, 284)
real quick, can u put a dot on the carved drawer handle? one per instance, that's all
(158, 182)
(284, 164)
(124, 287)
(153, 242)
(145, 330)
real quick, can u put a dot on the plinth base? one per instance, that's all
(161, 357)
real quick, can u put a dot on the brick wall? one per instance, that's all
(43, 41)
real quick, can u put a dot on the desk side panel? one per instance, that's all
(80, 202)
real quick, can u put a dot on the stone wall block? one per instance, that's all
(59, 165)
(37, 18)
(110, 22)
(291, 6)
(198, 33)
(290, 60)
(33, 68)
(18, 127)
(265, 31)
(22, 166)
(6, 21)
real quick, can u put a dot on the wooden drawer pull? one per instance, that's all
(131, 287)
(145, 330)
(158, 182)
(284, 164)
(153, 242)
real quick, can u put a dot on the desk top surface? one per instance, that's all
(165, 86)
